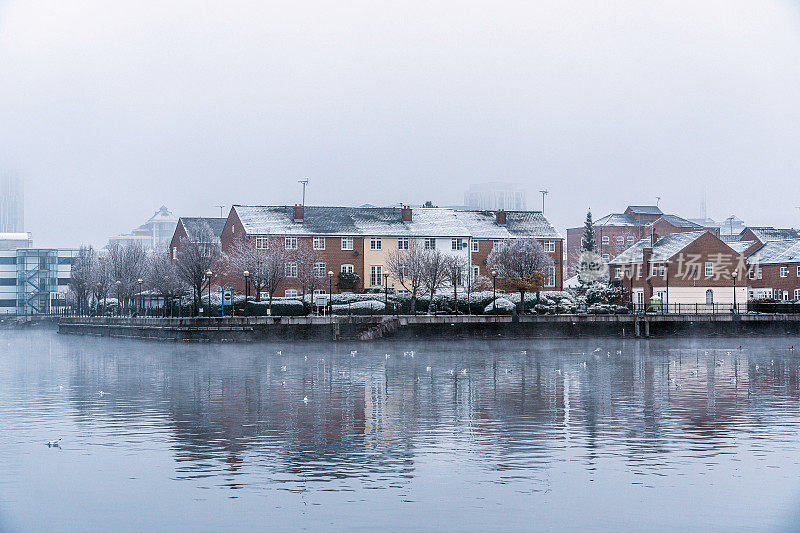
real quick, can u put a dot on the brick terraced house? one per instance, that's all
(360, 239)
(690, 268)
(617, 232)
(775, 271)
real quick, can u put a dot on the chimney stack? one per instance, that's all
(298, 212)
(500, 217)
(406, 213)
(653, 239)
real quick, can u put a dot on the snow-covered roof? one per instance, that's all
(619, 219)
(787, 251)
(193, 224)
(680, 222)
(739, 246)
(768, 233)
(664, 248)
(387, 221)
(644, 209)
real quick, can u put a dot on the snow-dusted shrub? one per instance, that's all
(501, 306)
(364, 307)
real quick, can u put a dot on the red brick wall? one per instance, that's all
(485, 248)
(771, 279)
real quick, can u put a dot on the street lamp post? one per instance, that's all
(141, 296)
(386, 292)
(330, 292)
(208, 275)
(246, 285)
(98, 300)
(494, 290)
(118, 284)
(735, 275)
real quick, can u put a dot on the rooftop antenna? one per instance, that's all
(544, 193)
(304, 182)
(658, 199)
(221, 212)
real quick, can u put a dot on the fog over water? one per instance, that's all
(591, 434)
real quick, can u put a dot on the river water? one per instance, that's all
(503, 435)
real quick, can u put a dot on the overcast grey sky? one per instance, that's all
(112, 108)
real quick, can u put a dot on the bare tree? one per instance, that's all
(433, 272)
(195, 258)
(308, 275)
(101, 279)
(407, 267)
(162, 275)
(455, 269)
(521, 265)
(81, 276)
(127, 265)
(266, 264)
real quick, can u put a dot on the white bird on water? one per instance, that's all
(54, 443)
(280, 352)
(596, 350)
(451, 371)
(464, 371)
(305, 399)
(283, 368)
(427, 369)
(305, 358)
(524, 352)
(387, 356)
(101, 393)
(353, 353)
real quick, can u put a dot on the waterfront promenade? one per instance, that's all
(224, 329)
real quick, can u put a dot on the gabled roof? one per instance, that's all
(786, 251)
(620, 219)
(644, 209)
(739, 246)
(768, 233)
(664, 248)
(387, 221)
(483, 225)
(193, 224)
(680, 222)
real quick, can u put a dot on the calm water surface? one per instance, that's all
(529, 435)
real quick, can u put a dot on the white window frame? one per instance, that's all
(403, 243)
(798, 271)
(175, 254)
(376, 272)
(476, 272)
(375, 243)
(797, 294)
(456, 244)
(429, 243)
(318, 243)
(475, 246)
(708, 269)
(784, 272)
(630, 239)
(290, 243)
(290, 269)
(290, 293)
(347, 269)
(550, 277)
(319, 269)
(549, 246)
(347, 243)
(606, 257)
(262, 243)
(620, 239)
(604, 239)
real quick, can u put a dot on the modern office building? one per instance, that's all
(12, 205)
(495, 196)
(157, 231)
(34, 280)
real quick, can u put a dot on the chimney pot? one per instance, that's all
(406, 213)
(298, 212)
(500, 217)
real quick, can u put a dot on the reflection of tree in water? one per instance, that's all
(232, 410)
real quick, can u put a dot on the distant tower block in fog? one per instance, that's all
(496, 195)
(12, 205)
